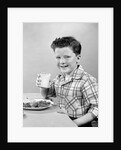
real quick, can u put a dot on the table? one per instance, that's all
(45, 118)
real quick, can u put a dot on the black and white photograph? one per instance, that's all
(64, 98)
(60, 74)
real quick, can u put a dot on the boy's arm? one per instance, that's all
(84, 119)
(51, 90)
(90, 94)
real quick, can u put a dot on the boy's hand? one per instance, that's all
(38, 80)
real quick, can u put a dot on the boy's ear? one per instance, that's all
(78, 56)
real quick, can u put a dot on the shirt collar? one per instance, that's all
(77, 74)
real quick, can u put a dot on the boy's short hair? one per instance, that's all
(67, 42)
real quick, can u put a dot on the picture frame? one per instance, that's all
(19, 137)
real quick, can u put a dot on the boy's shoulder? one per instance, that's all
(88, 77)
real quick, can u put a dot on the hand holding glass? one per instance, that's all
(43, 80)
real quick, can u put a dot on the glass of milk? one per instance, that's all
(45, 79)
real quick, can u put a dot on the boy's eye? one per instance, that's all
(67, 56)
(57, 57)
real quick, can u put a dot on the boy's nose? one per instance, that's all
(62, 61)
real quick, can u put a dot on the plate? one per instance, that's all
(36, 108)
(37, 104)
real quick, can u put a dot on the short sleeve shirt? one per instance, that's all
(78, 94)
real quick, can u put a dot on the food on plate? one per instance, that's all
(36, 104)
(40, 104)
(28, 104)
(43, 104)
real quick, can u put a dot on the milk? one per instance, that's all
(45, 78)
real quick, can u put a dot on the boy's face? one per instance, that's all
(66, 59)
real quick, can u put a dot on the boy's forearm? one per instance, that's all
(84, 119)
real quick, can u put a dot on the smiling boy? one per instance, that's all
(76, 90)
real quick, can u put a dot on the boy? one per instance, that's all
(76, 89)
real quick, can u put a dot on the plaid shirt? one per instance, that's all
(77, 95)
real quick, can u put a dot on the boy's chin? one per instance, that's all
(65, 72)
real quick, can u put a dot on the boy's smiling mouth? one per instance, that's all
(64, 66)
